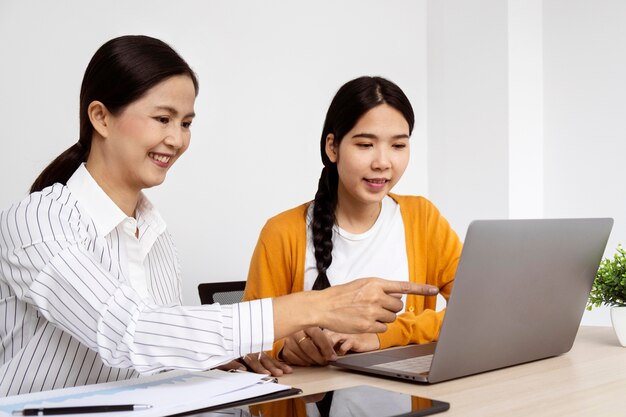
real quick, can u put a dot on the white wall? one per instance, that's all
(521, 102)
(525, 115)
(467, 109)
(267, 71)
(585, 114)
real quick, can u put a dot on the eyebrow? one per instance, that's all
(373, 136)
(173, 111)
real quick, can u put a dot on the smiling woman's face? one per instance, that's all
(371, 157)
(141, 143)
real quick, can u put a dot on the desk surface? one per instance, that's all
(588, 380)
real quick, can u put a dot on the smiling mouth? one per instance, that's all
(378, 181)
(164, 159)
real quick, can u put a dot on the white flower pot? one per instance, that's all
(618, 318)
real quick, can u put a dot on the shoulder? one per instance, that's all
(294, 217)
(290, 223)
(50, 208)
(56, 197)
(414, 204)
(419, 212)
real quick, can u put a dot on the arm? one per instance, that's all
(364, 305)
(277, 269)
(45, 260)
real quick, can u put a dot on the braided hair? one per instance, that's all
(351, 102)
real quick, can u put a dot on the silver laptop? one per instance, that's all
(519, 294)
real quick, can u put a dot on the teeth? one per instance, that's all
(377, 181)
(161, 158)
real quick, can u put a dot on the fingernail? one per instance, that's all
(333, 358)
(433, 290)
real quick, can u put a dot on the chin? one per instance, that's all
(153, 182)
(373, 199)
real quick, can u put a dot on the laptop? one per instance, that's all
(519, 294)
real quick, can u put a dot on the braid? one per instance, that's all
(323, 222)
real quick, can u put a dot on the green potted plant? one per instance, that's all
(609, 288)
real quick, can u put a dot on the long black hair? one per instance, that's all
(120, 72)
(352, 101)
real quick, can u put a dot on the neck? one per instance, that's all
(354, 216)
(123, 197)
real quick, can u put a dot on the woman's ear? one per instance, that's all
(99, 117)
(331, 150)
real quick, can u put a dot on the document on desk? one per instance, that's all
(168, 393)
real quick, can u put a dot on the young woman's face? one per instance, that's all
(150, 134)
(372, 156)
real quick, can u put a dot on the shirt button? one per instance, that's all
(411, 309)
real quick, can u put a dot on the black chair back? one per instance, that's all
(221, 292)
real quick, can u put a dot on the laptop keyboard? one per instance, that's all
(417, 364)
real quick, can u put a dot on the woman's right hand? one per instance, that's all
(312, 346)
(361, 306)
(366, 304)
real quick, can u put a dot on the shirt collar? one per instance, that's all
(148, 214)
(105, 214)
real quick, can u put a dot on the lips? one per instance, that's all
(378, 181)
(164, 159)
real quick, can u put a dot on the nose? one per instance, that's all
(381, 160)
(175, 138)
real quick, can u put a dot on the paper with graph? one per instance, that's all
(168, 393)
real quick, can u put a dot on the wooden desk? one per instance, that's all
(589, 380)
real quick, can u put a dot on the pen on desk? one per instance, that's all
(49, 411)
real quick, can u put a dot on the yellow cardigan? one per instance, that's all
(433, 251)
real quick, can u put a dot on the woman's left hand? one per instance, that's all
(262, 363)
(363, 342)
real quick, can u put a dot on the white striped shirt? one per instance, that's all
(83, 301)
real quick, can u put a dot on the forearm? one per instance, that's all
(110, 318)
(295, 312)
(205, 336)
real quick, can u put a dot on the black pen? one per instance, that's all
(49, 411)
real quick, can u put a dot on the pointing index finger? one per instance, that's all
(405, 287)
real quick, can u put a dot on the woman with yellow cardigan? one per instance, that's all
(356, 227)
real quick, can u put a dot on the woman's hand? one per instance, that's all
(262, 363)
(232, 365)
(365, 305)
(343, 343)
(361, 306)
(313, 346)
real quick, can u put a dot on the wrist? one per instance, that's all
(293, 312)
(315, 312)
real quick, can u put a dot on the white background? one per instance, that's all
(520, 108)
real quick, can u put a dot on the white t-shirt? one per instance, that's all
(379, 252)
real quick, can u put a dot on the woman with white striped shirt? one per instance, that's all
(89, 278)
